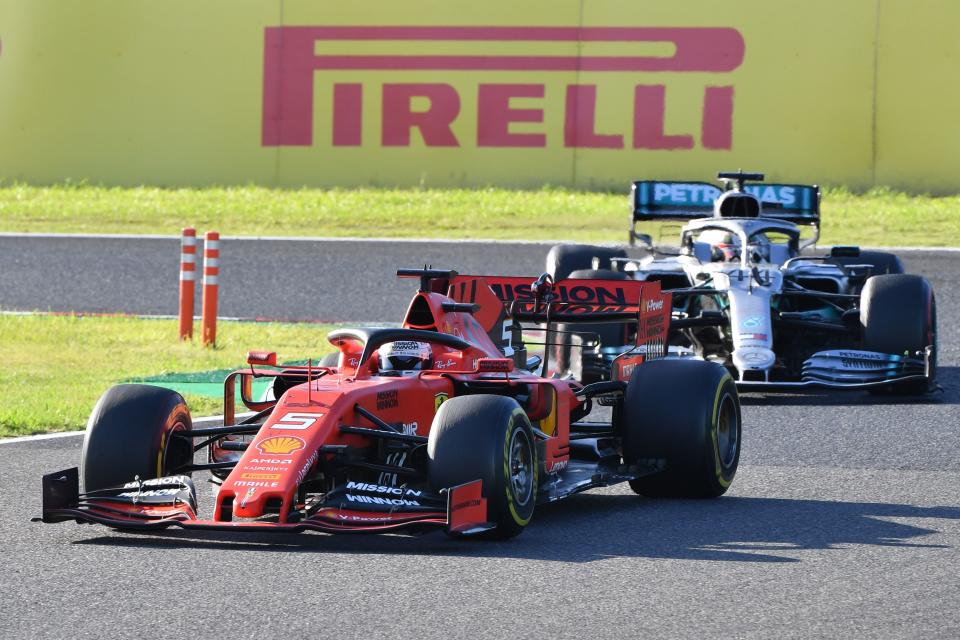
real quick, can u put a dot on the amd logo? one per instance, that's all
(291, 63)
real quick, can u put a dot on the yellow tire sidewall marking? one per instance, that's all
(718, 465)
(517, 414)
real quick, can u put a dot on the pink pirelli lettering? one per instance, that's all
(648, 114)
(347, 115)
(495, 113)
(290, 62)
(434, 123)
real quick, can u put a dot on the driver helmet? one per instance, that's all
(405, 355)
(725, 245)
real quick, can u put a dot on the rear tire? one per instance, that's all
(487, 438)
(686, 413)
(129, 434)
(882, 262)
(564, 259)
(899, 315)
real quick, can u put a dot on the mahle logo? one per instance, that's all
(292, 66)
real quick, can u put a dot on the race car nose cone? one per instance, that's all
(753, 359)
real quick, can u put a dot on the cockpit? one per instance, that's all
(744, 240)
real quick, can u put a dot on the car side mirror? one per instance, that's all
(645, 240)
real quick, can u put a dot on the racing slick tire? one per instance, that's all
(487, 438)
(129, 435)
(881, 261)
(564, 259)
(899, 315)
(569, 357)
(684, 414)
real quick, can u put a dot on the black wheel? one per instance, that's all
(687, 414)
(899, 316)
(564, 259)
(882, 262)
(487, 438)
(568, 356)
(129, 435)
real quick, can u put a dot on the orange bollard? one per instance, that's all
(188, 277)
(211, 272)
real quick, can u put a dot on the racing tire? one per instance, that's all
(882, 262)
(899, 315)
(487, 438)
(569, 357)
(564, 259)
(129, 435)
(685, 414)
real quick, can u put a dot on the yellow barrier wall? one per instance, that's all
(591, 94)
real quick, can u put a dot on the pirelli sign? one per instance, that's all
(489, 87)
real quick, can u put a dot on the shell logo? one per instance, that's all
(281, 445)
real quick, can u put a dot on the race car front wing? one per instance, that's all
(164, 502)
(856, 369)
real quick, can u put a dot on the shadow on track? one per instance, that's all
(595, 526)
(947, 377)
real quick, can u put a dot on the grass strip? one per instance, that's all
(880, 217)
(57, 366)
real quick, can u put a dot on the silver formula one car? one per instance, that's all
(746, 293)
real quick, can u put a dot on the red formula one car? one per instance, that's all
(443, 422)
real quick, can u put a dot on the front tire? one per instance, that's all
(487, 438)
(687, 414)
(899, 315)
(129, 434)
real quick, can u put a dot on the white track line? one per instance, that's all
(372, 324)
(41, 436)
(68, 434)
(148, 236)
(132, 236)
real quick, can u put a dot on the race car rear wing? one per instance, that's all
(499, 304)
(569, 301)
(671, 200)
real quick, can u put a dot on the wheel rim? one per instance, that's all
(521, 466)
(933, 336)
(163, 462)
(728, 431)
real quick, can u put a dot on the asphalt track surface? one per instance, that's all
(843, 521)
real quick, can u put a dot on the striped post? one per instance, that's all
(188, 277)
(211, 272)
